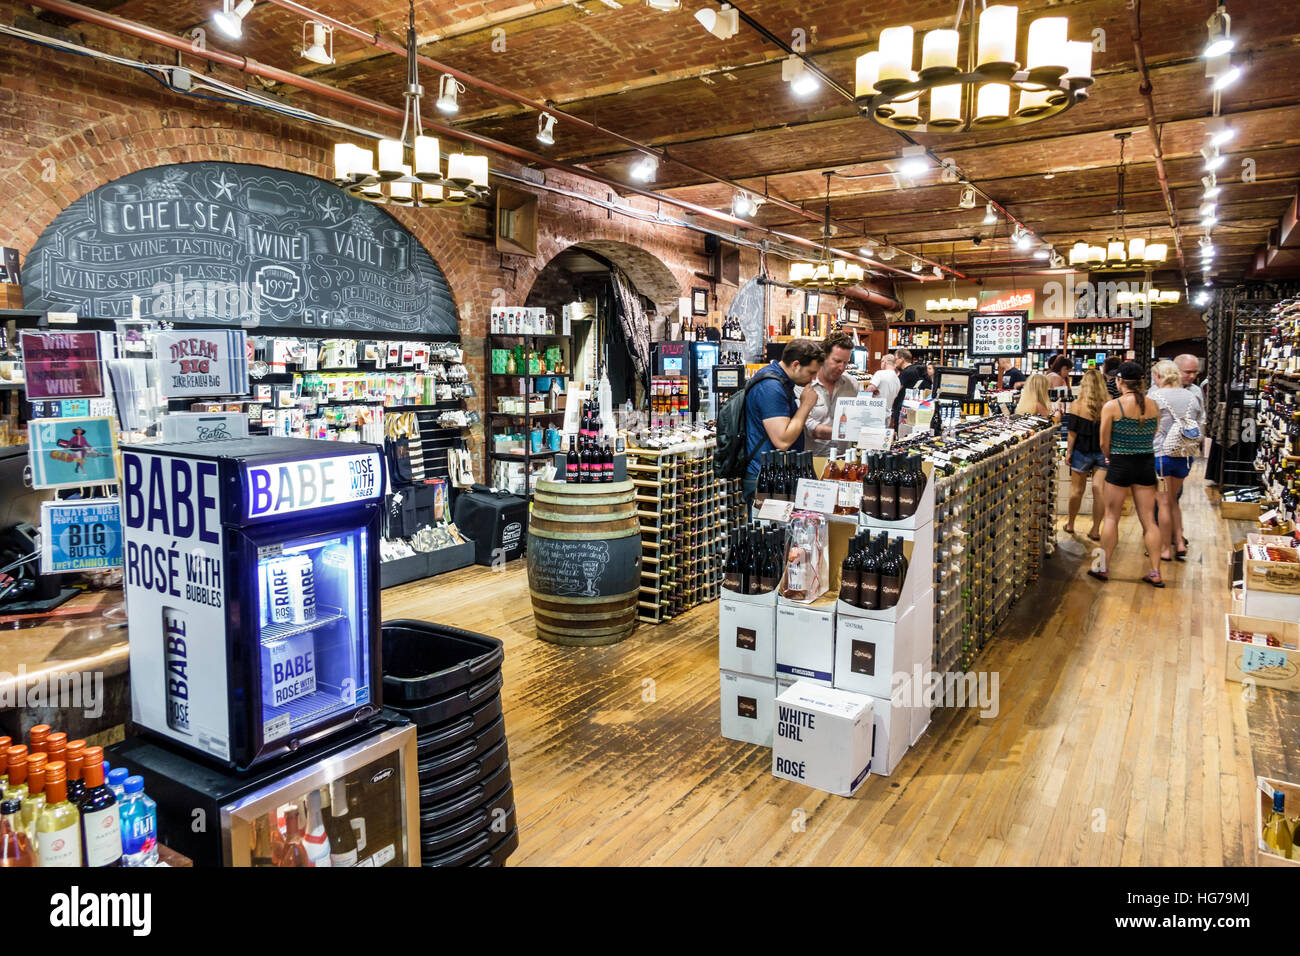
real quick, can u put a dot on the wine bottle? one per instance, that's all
(16, 787)
(16, 847)
(808, 470)
(771, 574)
(294, 853)
(851, 574)
(907, 488)
(763, 489)
(101, 828)
(732, 576)
(870, 505)
(587, 462)
(58, 840)
(755, 570)
(343, 839)
(573, 462)
(889, 490)
(869, 576)
(1277, 832)
(34, 801)
(893, 570)
(607, 460)
(74, 757)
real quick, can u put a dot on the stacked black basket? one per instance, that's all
(448, 683)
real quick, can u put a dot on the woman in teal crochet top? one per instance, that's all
(1128, 430)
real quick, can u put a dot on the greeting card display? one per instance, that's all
(72, 452)
(202, 362)
(62, 365)
(80, 535)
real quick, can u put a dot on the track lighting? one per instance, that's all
(1207, 210)
(1220, 27)
(887, 253)
(1212, 188)
(938, 272)
(321, 48)
(914, 161)
(230, 18)
(916, 265)
(1212, 158)
(743, 205)
(723, 23)
(1023, 241)
(1220, 133)
(967, 197)
(546, 129)
(1043, 253)
(448, 88)
(665, 6)
(990, 216)
(1208, 217)
(1058, 261)
(645, 169)
(1202, 298)
(803, 81)
(1226, 79)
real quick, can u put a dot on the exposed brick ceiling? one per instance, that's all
(660, 79)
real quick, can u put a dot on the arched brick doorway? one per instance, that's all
(651, 276)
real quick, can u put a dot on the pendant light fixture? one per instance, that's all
(975, 95)
(1120, 253)
(320, 49)
(828, 272)
(230, 18)
(409, 169)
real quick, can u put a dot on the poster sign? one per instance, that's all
(819, 496)
(72, 452)
(851, 415)
(237, 244)
(80, 535)
(202, 362)
(286, 487)
(1019, 299)
(62, 365)
(204, 426)
(993, 334)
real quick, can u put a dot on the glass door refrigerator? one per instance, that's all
(351, 800)
(704, 401)
(252, 592)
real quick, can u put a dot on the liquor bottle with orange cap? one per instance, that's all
(34, 802)
(74, 757)
(16, 787)
(16, 847)
(101, 827)
(56, 747)
(58, 828)
(36, 738)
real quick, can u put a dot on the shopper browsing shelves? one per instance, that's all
(1128, 431)
(911, 376)
(1180, 413)
(1034, 398)
(774, 419)
(1010, 376)
(1083, 450)
(831, 384)
(885, 382)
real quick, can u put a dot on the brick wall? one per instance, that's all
(69, 124)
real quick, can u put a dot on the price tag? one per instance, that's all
(819, 496)
(875, 439)
(774, 509)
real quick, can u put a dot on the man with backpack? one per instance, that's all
(765, 416)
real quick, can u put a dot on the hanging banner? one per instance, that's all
(202, 362)
(80, 535)
(61, 365)
(240, 245)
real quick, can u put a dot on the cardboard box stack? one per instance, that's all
(747, 658)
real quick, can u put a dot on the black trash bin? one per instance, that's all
(447, 681)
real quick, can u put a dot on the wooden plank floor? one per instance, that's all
(1117, 739)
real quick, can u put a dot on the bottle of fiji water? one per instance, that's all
(117, 780)
(139, 817)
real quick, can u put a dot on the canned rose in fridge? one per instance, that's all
(176, 669)
(277, 592)
(302, 589)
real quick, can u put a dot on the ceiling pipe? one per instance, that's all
(247, 65)
(505, 93)
(1153, 129)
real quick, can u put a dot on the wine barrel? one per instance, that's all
(584, 562)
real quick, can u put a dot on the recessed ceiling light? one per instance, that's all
(1049, 175)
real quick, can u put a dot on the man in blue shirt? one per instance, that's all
(773, 419)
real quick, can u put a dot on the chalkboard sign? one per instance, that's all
(576, 568)
(241, 245)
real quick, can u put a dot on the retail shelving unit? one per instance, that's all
(502, 385)
(943, 342)
(993, 522)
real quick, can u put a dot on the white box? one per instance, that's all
(823, 738)
(920, 709)
(747, 638)
(922, 648)
(893, 729)
(747, 708)
(1273, 605)
(868, 653)
(805, 642)
(764, 600)
(918, 548)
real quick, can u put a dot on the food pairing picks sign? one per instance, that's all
(80, 535)
(238, 244)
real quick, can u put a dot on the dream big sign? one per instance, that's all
(237, 244)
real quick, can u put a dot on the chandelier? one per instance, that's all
(827, 272)
(1148, 297)
(409, 171)
(1056, 74)
(1120, 252)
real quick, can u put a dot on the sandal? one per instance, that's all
(1180, 555)
(1093, 537)
(1153, 578)
(1163, 558)
(1099, 575)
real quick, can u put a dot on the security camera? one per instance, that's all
(976, 240)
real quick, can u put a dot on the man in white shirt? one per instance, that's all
(831, 384)
(885, 382)
(1190, 366)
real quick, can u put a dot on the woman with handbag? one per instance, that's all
(1178, 440)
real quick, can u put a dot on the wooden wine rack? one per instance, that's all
(685, 513)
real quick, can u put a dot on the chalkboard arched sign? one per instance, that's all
(241, 245)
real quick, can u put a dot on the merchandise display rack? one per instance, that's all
(951, 347)
(993, 523)
(686, 513)
(495, 389)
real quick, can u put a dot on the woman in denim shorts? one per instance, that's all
(1173, 400)
(1083, 450)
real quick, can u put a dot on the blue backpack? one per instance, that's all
(732, 457)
